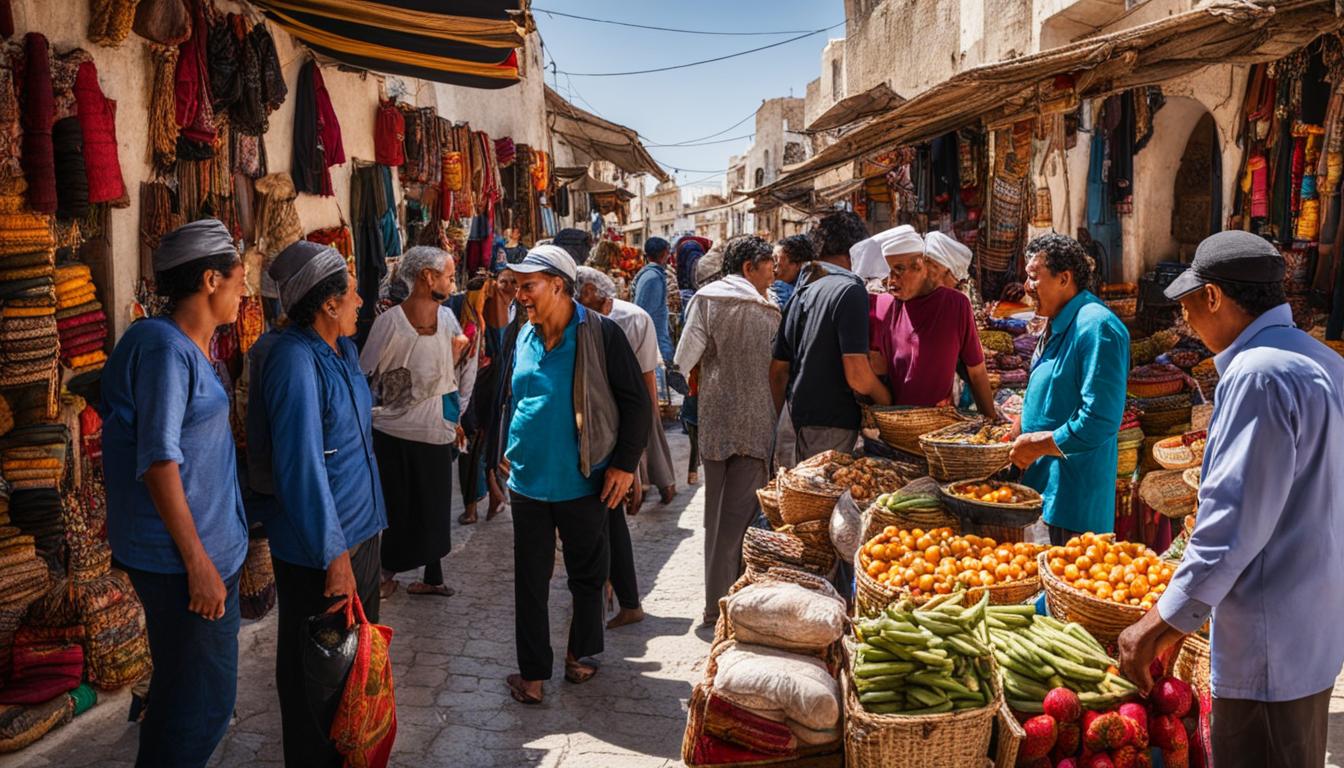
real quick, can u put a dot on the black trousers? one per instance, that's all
(298, 591)
(622, 574)
(582, 525)
(195, 679)
(1279, 734)
(1060, 536)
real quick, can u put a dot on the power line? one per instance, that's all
(701, 143)
(663, 29)
(710, 136)
(704, 61)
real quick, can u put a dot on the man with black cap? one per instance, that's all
(649, 291)
(1264, 556)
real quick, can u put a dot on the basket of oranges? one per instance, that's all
(989, 502)
(1103, 584)
(917, 564)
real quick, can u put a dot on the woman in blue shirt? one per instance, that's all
(1076, 395)
(174, 511)
(317, 429)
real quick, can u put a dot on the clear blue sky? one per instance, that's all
(685, 104)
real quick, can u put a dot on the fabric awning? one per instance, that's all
(593, 186)
(875, 101)
(594, 138)
(1220, 31)
(475, 45)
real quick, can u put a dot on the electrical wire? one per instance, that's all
(663, 29)
(701, 143)
(704, 61)
(710, 136)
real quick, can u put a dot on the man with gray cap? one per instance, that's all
(649, 291)
(578, 419)
(1264, 556)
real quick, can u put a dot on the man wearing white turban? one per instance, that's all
(929, 328)
(949, 261)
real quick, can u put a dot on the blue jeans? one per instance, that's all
(195, 679)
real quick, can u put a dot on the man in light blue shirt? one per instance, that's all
(1264, 558)
(649, 291)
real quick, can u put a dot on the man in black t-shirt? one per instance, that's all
(821, 351)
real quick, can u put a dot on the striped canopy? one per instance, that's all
(471, 43)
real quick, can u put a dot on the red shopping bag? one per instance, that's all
(366, 719)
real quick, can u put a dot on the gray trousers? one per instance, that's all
(655, 466)
(730, 506)
(1270, 734)
(815, 440)
(786, 442)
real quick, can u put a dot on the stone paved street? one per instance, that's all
(451, 657)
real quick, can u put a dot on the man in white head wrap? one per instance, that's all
(948, 259)
(928, 331)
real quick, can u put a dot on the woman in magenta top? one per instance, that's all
(925, 332)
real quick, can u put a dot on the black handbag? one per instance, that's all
(329, 649)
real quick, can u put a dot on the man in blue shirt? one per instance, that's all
(650, 292)
(1264, 557)
(791, 255)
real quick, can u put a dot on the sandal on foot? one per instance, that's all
(581, 670)
(467, 518)
(421, 588)
(387, 588)
(518, 690)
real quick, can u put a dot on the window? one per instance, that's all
(760, 177)
(767, 161)
(660, 206)
(837, 87)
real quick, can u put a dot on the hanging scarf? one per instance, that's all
(98, 119)
(37, 117)
(163, 127)
(191, 87)
(317, 135)
(223, 54)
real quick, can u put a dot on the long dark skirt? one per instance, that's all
(418, 488)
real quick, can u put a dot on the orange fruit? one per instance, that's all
(926, 583)
(1030, 568)
(1084, 563)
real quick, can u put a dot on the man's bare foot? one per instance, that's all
(626, 616)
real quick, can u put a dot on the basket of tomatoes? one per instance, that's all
(1103, 584)
(916, 564)
(991, 502)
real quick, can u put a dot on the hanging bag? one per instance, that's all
(365, 725)
(166, 22)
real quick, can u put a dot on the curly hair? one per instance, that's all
(1062, 253)
(836, 233)
(1255, 298)
(744, 250)
(798, 248)
(305, 310)
(184, 280)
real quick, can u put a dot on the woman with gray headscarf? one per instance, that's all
(315, 436)
(409, 358)
(174, 512)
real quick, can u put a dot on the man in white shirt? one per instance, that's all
(597, 292)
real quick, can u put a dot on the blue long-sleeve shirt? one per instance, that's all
(1077, 392)
(650, 293)
(1265, 555)
(318, 422)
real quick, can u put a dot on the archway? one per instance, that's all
(1197, 189)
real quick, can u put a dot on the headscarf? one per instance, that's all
(950, 253)
(301, 266)
(866, 260)
(900, 240)
(195, 240)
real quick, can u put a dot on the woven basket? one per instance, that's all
(822, 756)
(900, 427)
(1167, 493)
(1192, 663)
(1008, 737)
(872, 596)
(1004, 534)
(1191, 477)
(769, 499)
(1175, 453)
(1007, 593)
(948, 740)
(1160, 388)
(1021, 513)
(816, 536)
(763, 550)
(800, 501)
(1129, 457)
(1201, 414)
(1160, 423)
(1103, 618)
(953, 461)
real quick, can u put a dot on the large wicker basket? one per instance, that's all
(769, 500)
(948, 740)
(901, 426)
(1009, 592)
(962, 461)
(871, 596)
(1103, 618)
(1179, 451)
(801, 501)
(1008, 737)
(1192, 663)
(1129, 456)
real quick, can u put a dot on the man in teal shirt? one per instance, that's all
(1076, 395)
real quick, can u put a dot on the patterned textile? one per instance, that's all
(366, 718)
